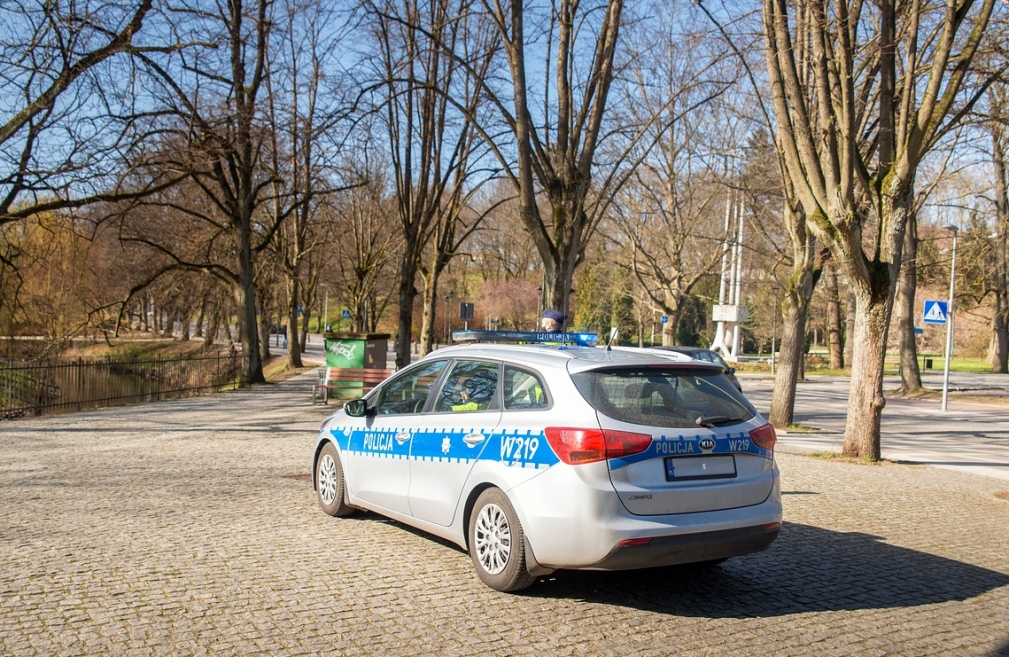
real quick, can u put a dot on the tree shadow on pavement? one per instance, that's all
(807, 569)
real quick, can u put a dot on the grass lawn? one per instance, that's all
(814, 365)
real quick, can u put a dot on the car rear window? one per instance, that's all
(659, 397)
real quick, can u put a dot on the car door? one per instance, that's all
(378, 455)
(449, 440)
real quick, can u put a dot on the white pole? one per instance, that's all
(949, 321)
(325, 310)
(718, 344)
(737, 272)
(774, 325)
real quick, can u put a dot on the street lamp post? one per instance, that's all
(447, 336)
(774, 324)
(949, 319)
(325, 308)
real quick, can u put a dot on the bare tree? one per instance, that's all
(668, 209)
(63, 115)
(555, 152)
(801, 256)
(364, 241)
(851, 136)
(306, 108)
(69, 127)
(425, 59)
(216, 119)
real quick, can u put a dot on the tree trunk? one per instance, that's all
(248, 327)
(293, 299)
(794, 313)
(407, 294)
(835, 330)
(201, 318)
(264, 340)
(849, 329)
(910, 375)
(213, 326)
(430, 316)
(875, 289)
(561, 261)
(168, 330)
(865, 399)
(998, 352)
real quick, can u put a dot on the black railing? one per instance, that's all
(58, 387)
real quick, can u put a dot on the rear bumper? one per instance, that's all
(585, 528)
(691, 548)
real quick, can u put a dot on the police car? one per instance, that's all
(537, 457)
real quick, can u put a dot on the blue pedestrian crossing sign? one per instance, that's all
(935, 312)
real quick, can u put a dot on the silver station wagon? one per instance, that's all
(537, 457)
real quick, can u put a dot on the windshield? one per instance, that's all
(661, 397)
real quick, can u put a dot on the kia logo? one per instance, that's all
(707, 443)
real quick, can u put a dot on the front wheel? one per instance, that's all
(496, 543)
(329, 484)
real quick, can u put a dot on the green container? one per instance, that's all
(357, 350)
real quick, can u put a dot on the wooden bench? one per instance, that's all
(346, 379)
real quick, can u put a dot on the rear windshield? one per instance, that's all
(664, 397)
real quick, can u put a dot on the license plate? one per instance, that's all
(683, 468)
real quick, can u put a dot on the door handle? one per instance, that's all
(473, 439)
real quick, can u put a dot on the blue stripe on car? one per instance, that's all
(519, 448)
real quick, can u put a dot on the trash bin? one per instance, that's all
(357, 350)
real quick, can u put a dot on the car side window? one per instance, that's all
(523, 390)
(470, 386)
(408, 394)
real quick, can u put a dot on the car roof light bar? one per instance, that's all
(525, 337)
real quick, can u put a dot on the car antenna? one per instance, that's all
(613, 334)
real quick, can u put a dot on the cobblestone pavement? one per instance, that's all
(190, 528)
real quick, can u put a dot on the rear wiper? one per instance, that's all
(714, 420)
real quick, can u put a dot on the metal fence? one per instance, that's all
(57, 387)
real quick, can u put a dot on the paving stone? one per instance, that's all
(187, 527)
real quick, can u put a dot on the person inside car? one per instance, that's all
(466, 401)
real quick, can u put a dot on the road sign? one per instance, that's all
(935, 312)
(665, 319)
(346, 314)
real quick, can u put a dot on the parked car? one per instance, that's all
(707, 355)
(541, 457)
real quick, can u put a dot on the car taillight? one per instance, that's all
(575, 446)
(764, 436)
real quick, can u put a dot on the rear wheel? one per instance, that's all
(496, 543)
(329, 484)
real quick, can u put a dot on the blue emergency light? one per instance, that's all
(525, 337)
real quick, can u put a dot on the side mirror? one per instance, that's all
(356, 408)
(730, 370)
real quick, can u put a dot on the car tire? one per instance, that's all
(329, 484)
(496, 543)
